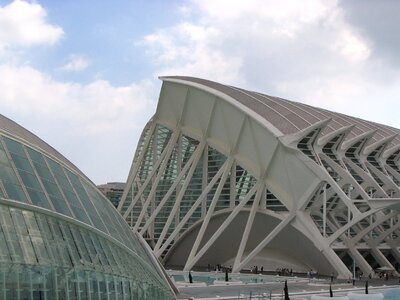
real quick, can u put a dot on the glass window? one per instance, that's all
(38, 198)
(14, 191)
(60, 206)
(3, 156)
(90, 209)
(13, 146)
(72, 249)
(36, 156)
(8, 174)
(59, 243)
(68, 191)
(43, 171)
(51, 188)
(83, 252)
(22, 163)
(55, 166)
(30, 222)
(30, 180)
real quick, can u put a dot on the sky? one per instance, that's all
(83, 75)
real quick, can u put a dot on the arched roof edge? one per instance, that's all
(230, 100)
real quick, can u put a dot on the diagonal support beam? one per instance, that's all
(210, 211)
(169, 149)
(168, 194)
(249, 224)
(146, 182)
(222, 228)
(264, 242)
(136, 165)
(190, 212)
(178, 200)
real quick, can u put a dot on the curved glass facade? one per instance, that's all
(60, 238)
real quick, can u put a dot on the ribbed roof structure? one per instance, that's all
(226, 175)
(290, 117)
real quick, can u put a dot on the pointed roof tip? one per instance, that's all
(323, 140)
(378, 143)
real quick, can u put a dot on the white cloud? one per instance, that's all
(76, 63)
(95, 125)
(303, 50)
(190, 49)
(24, 24)
(352, 46)
(230, 36)
(93, 108)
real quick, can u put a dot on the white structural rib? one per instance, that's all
(178, 200)
(210, 211)
(191, 211)
(221, 229)
(168, 152)
(248, 227)
(169, 193)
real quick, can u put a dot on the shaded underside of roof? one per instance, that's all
(13, 129)
(290, 117)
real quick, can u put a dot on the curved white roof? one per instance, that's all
(289, 117)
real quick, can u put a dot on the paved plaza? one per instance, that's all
(300, 289)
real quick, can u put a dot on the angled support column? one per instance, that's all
(394, 250)
(146, 182)
(188, 214)
(169, 193)
(178, 200)
(360, 261)
(249, 224)
(239, 265)
(210, 211)
(136, 165)
(222, 228)
(380, 258)
(169, 149)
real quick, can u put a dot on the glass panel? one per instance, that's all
(30, 180)
(14, 191)
(90, 209)
(8, 174)
(4, 252)
(21, 163)
(68, 192)
(43, 171)
(35, 156)
(14, 147)
(38, 198)
(3, 156)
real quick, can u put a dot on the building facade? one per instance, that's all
(113, 191)
(222, 175)
(60, 238)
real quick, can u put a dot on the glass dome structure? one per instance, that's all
(60, 238)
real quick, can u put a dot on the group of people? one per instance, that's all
(385, 275)
(284, 272)
(255, 270)
(218, 268)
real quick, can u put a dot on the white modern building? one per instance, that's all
(222, 175)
